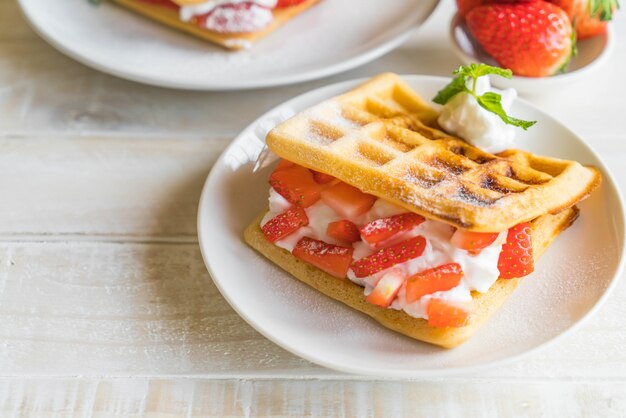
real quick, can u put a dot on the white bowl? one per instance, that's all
(592, 53)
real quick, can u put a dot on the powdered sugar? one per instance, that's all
(241, 19)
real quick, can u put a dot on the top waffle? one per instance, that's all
(381, 138)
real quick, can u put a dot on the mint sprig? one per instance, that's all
(489, 101)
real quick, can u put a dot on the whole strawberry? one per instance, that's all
(466, 6)
(533, 39)
(590, 16)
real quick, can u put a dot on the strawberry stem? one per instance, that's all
(603, 9)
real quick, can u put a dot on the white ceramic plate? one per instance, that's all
(592, 54)
(331, 37)
(571, 280)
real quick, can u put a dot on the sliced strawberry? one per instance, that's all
(236, 18)
(322, 178)
(296, 184)
(333, 259)
(284, 224)
(438, 279)
(344, 231)
(347, 201)
(387, 288)
(516, 258)
(389, 257)
(474, 242)
(385, 228)
(443, 314)
(282, 164)
(288, 3)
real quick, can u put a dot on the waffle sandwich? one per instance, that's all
(415, 216)
(168, 14)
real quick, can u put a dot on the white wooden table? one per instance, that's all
(106, 307)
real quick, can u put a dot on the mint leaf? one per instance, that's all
(492, 102)
(489, 101)
(456, 86)
(479, 70)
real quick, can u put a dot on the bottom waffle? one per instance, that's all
(544, 230)
(233, 41)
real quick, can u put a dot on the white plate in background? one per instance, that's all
(570, 281)
(332, 36)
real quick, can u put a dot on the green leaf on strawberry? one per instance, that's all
(490, 101)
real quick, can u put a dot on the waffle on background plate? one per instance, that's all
(383, 139)
(232, 41)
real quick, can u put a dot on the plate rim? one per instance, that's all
(339, 67)
(608, 181)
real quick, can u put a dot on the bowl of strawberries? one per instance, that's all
(546, 44)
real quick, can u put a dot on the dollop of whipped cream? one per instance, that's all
(187, 12)
(463, 116)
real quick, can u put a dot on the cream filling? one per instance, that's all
(480, 271)
(189, 11)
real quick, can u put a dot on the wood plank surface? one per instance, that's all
(135, 309)
(106, 308)
(298, 398)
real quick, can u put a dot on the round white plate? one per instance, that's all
(333, 36)
(592, 54)
(571, 279)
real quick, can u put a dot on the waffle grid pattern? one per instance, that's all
(382, 138)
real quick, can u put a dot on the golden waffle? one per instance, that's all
(382, 138)
(544, 230)
(234, 41)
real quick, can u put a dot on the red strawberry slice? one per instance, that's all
(322, 178)
(438, 279)
(288, 3)
(285, 224)
(344, 231)
(385, 228)
(533, 39)
(333, 259)
(516, 258)
(282, 164)
(474, 242)
(296, 184)
(236, 18)
(389, 257)
(387, 288)
(347, 201)
(443, 314)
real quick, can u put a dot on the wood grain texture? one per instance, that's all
(134, 309)
(298, 398)
(103, 188)
(100, 275)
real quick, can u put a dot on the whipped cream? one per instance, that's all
(187, 12)
(480, 271)
(463, 116)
